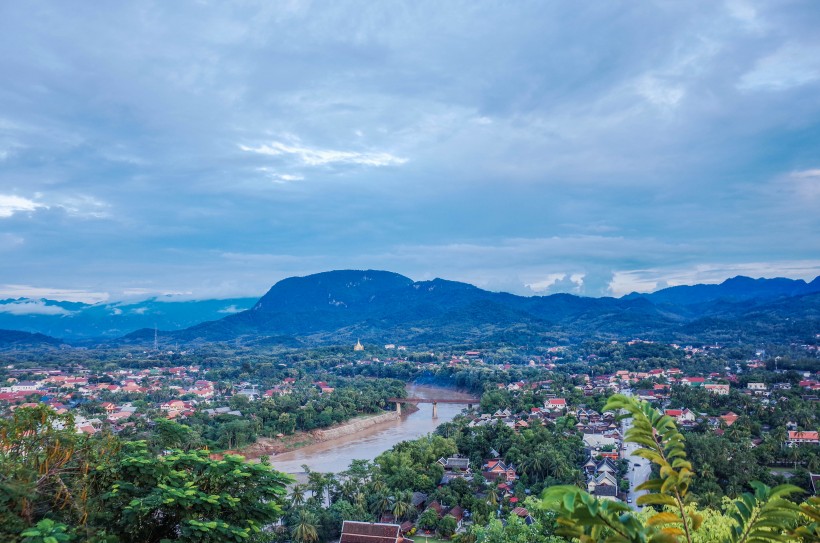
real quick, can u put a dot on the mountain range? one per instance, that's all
(77, 320)
(379, 306)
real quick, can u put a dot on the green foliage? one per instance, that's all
(151, 498)
(514, 530)
(765, 515)
(428, 520)
(46, 531)
(44, 467)
(446, 526)
(762, 516)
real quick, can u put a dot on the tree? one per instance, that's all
(186, 496)
(429, 520)
(447, 526)
(305, 528)
(43, 467)
(402, 505)
(766, 515)
(297, 495)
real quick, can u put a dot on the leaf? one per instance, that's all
(663, 518)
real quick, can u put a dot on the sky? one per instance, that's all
(208, 149)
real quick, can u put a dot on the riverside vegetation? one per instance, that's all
(60, 487)
(154, 480)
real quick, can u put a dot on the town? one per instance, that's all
(538, 421)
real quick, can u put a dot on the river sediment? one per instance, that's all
(266, 446)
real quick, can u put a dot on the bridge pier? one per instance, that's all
(435, 410)
(398, 408)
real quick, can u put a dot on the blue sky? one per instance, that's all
(212, 148)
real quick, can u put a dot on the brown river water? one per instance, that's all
(335, 455)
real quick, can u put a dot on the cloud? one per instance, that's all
(33, 308)
(323, 157)
(58, 294)
(806, 185)
(280, 177)
(793, 65)
(652, 137)
(11, 204)
(230, 309)
(82, 206)
(649, 280)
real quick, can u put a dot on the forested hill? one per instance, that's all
(379, 306)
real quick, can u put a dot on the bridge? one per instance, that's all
(435, 401)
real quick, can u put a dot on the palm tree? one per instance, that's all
(297, 495)
(305, 528)
(359, 499)
(492, 496)
(378, 485)
(381, 503)
(348, 490)
(402, 505)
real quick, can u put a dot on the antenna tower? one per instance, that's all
(156, 338)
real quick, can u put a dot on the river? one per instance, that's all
(335, 455)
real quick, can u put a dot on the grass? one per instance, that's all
(419, 538)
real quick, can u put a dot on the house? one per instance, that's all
(802, 438)
(521, 512)
(455, 467)
(604, 484)
(682, 416)
(455, 463)
(555, 404)
(370, 532)
(596, 441)
(457, 513)
(729, 418)
(23, 386)
(496, 469)
(693, 381)
(720, 390)
(250, 393)
(436, 506)
(173, 405)
(756, 387)
(419, 500)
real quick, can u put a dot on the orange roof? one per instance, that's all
(803, 435)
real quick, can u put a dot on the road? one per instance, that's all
(639, 468)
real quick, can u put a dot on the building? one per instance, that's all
(358, 347)
(720, 390)
(604, 484)
(496, 469)
(680, 415)
(802, 438)
(370, 532)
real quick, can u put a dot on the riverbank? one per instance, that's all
(266, 446)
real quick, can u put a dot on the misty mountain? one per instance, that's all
(379, 306)
(76, 320)
(736, 289)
